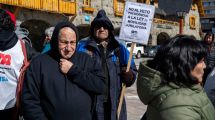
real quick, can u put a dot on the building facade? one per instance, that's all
(37, 15)
(208, 21)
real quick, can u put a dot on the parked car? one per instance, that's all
(138, 48)
(151, 50)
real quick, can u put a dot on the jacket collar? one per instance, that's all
(112, 45)
(149, 84)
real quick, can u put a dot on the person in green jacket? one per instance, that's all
(170, 84)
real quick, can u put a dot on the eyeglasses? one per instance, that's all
(72, 43)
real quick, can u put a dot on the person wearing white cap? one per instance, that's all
(48, 33)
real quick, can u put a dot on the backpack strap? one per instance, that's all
(21, 76)
(24, 52)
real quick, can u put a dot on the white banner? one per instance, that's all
(136, 23)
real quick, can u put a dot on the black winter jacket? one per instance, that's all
(50, 95)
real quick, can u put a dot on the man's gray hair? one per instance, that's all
(49, 31)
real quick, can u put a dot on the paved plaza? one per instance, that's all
(135, 107)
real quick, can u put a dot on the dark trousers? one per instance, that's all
(8, 114)
(144, 117)
(107, 111)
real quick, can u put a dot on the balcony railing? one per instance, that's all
(161, 21)
(59, 6)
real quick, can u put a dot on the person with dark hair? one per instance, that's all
(209, 39)
(113, 57)
(209, 85)
(61, 84)
(170, 84)
(210, 59)
(12, 59)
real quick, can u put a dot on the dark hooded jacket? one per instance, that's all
(116, 57)
(8, 39)
(49, 94)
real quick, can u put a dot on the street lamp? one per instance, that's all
(181, 15)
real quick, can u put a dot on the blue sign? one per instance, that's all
(87, 18)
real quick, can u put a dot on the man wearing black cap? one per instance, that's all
(61, 84)
(11, 62)
(113, 56)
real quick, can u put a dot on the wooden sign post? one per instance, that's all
(136, 26)
(123, 85)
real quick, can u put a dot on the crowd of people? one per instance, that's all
(82, 79)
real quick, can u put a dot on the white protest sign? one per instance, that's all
(136, 23)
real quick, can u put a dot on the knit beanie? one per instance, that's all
(12, 17)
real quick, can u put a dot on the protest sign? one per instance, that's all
(136, 24)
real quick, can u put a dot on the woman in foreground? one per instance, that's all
(170, 84)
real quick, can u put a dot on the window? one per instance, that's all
(86, 2)
(120, 7)
(212, 3)
(205, 4)
(192, 22)
(194, 7)
(207, 11)
(87, 6)
(205, 21)
(139, 45)
(210, 11)
(129, 45)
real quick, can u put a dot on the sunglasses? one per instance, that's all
(98, 26)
